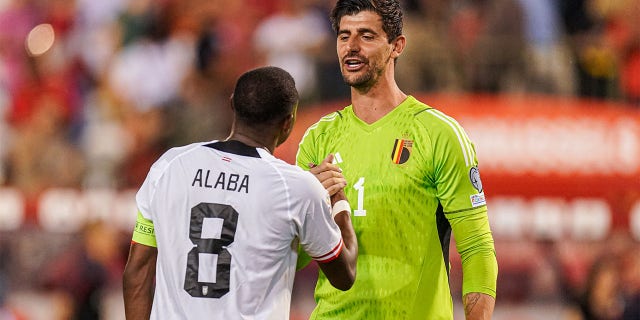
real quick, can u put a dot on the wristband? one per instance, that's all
(341, 205)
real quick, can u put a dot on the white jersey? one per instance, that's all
(228, 219)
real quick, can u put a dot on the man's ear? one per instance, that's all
(398, 46)
(288, 124)
(286, 128)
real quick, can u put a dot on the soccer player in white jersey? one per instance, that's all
(219, 222)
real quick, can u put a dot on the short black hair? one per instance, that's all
(264, 96)
(388, 10)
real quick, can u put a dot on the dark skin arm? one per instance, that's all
(341, 271)
(138, 281)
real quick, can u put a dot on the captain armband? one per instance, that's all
(144, 232)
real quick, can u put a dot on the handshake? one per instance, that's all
(332, 179)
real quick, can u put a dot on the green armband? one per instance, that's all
(144, 233)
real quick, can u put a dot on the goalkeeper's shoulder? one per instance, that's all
(329, 120)
(325, 125)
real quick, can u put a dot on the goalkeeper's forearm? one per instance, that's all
(478, 306)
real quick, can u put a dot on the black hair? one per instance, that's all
(388, 10)
(264, 96)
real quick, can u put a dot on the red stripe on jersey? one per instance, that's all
(331, 255)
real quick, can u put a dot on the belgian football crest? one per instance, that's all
(401, 151)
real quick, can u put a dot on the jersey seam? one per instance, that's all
(328, 118)
(421, 111)
(465, 210)
(430, 144)
(286, 187)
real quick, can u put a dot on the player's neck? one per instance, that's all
(252, 140)
(377, 101)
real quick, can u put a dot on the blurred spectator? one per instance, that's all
(490, 45)
(149, 69)
(106, 142)
(331, 86)
(202, 111)
(42, 110)
(80, 275)
(232, 24)
(292, 39)
(427, 63)
(6, 311)
(548, 56)
(148, 142)
(631, 282)
(602, 298)
(146, 75)
(96, 37)
(17, 17)
(623, 36)
(596, 66)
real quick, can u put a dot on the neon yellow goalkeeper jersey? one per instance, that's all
(411, 175)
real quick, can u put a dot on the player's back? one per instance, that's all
(226, 220)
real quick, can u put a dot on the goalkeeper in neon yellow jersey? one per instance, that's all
(413, 179)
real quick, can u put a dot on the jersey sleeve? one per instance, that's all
(459, 190)
(145, 195)
(474, 243)
(456, 175)
(320, 236)
(304, 156)
(143, 231)
(308, 151)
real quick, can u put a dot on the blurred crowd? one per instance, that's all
(93, 91)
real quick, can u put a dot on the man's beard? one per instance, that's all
(365, 80)
(359, 81)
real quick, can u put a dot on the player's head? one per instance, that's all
(266, 99)
(388, 10)
(369, 40)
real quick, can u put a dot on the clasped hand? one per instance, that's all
(329, 174)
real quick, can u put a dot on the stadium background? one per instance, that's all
(92, 92)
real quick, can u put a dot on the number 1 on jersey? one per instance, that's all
(359, 186)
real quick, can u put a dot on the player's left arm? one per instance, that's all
(474, 243)
(461, 194)
(478, 306)
(138, 279)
